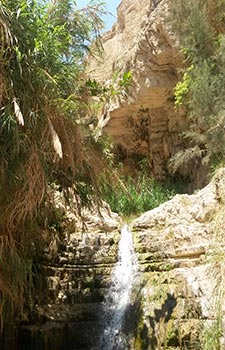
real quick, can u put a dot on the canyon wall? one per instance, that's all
(177, 296)
(144, 123)
(180, 247)
(73, 274)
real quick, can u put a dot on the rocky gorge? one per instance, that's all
(143, 123)
(177, 294)
(177, 299)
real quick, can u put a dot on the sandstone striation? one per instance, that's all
(145, 123)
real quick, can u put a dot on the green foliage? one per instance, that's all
(107, 147)
(49, 42)
(85, 192)
(16, 278)
(182, 87)
(117, 86)
(212, 333)
(134, 195)
(126, 80)
(195, 33)
(202, 89)
(56, 219)
(101, 94)
(42, 49)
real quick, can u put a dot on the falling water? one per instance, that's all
(118, 297)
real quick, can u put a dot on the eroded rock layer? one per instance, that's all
(72, 278)
(177, 297)
(144, 123)
(180, 246)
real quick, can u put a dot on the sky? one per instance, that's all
(111, 6)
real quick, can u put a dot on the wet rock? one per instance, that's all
(177, 290)
(180, 280)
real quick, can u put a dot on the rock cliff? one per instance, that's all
(144, 123)
(73, 274)
(178, 294)
(180, 246)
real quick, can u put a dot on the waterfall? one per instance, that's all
(118, 297)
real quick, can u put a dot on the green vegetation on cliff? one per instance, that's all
(42, 46)
(134, 195)
(201, 35)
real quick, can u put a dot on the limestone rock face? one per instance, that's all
(178, 293)
(180, 247)
(143, 123)
(73, 275)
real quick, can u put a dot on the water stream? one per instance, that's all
(117, 299)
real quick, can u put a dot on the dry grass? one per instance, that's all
(15, 278)
(3, 85)
(71, 142)
(217, 252)
(26, 200)
(39, 144)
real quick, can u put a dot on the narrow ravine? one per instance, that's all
(118, 296)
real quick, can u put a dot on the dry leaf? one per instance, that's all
(56, 142)
(18, 113)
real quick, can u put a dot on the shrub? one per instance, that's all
(129, 196)
(42, 46)
(202, 90)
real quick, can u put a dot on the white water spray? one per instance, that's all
(118, 297)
